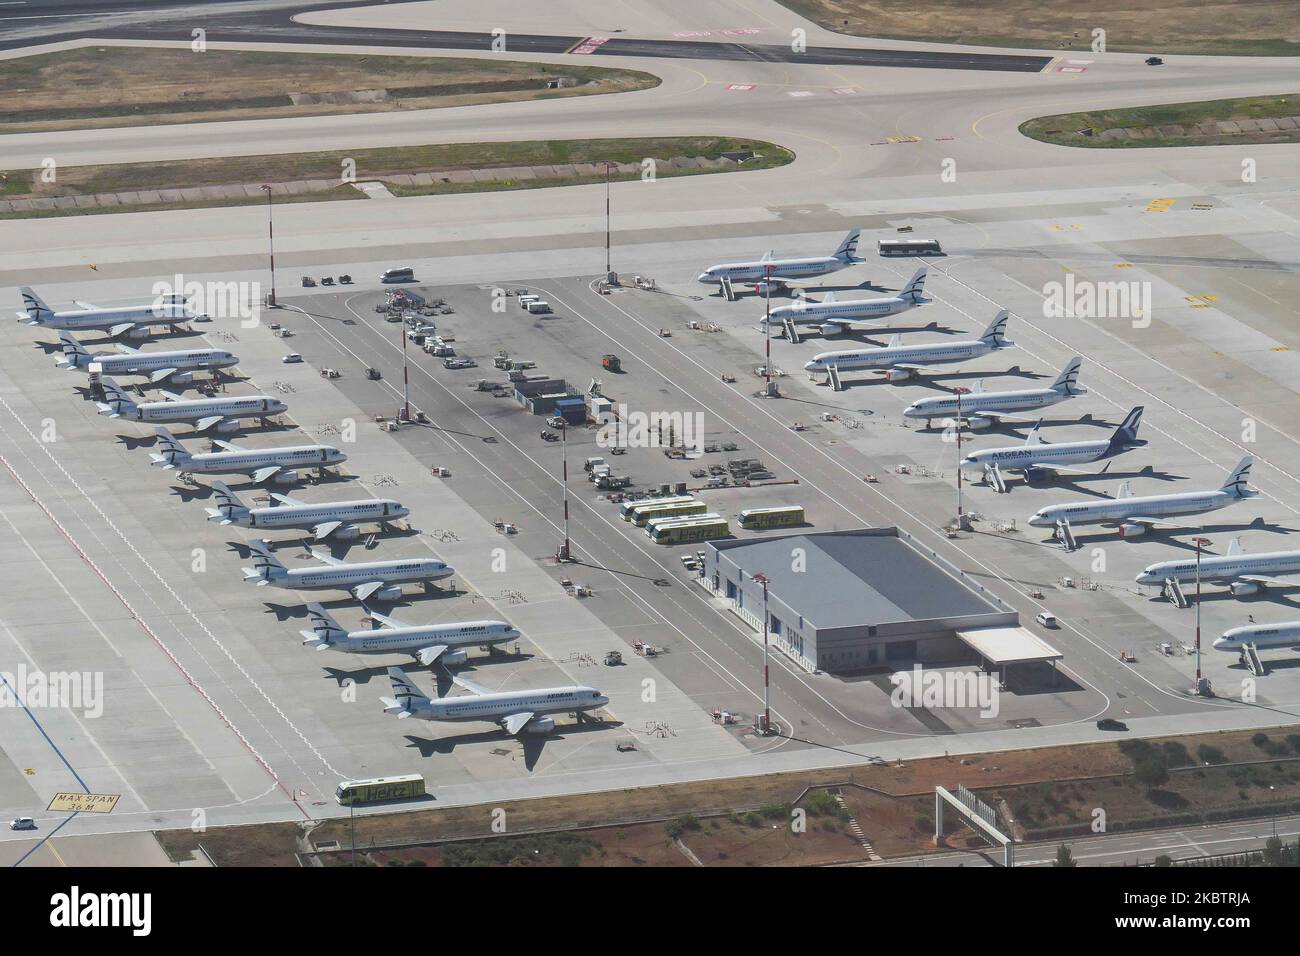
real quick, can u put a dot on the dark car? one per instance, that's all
(1154, 61)
(1109, 723)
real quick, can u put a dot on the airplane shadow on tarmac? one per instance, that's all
(533, 744)
(377, 672)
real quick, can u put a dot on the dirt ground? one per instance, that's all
(124, 86)
(1080, 129)
(1246, 27)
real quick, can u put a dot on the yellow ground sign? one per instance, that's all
(84, 802)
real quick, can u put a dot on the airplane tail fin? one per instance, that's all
(38, 313)
(1067, 381)
(1237, 482)
(266, 566)
(325, 630)
(995, 334)
(171, 453)
(1034, 437)
(229, 506)
(1126, 435)
(915, 285)
(118, 402)
(74, 353)
(847, 251)
(406, 696)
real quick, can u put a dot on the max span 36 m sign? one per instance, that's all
(84, 802)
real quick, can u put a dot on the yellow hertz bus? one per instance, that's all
(699, 528)
(378, 789)
(629, 508)
(782, 517)
(685, 509)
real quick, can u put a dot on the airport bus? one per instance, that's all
(909, 247)
(377, 789)
(701, 528)
(752, 519)
(681, 510)
(628, 508)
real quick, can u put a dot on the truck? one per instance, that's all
(611, 363)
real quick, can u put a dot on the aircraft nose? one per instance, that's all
(703, 277)
(1220, 643)
(811, 366)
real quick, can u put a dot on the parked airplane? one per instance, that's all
(783, 272)
(381, 580)
(177, 367)
(1261, 635)
(904, 361)
(132, 320)
(835, 315)
(1135, 516)
(260, 464)
(202, 413)
(336, 518)
(1036, 455)
(448, 643)
(979, 408)
(1243, 573)
(518, 711)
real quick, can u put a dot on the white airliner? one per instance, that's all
(835, 315)
(260, 464)
(1136, 516)
(177, 367)
(1243, 573)
(201, 413)
(447, 643)
(904, 361)
(517, 711)
(336, 518)
(1038, 455)
(1261, 635)
(784, 271)
(132, 320)
(979, 408)
(381, 580)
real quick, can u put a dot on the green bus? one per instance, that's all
(700, 528)
(628, 508)
(377, 789)
(685, 509)
(780, 517)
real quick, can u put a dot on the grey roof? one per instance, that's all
(855, 577)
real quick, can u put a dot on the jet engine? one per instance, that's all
(831, 328)
(227, 426)
(898, 374)
(1244, 588)
(347, 532)
(392, 592)
(181, 378)
(287, 477)
(540, 725)
(139, 332)
(1127, 530)
(454, 658)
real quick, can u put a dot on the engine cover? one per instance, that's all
(454, 658)
(391, 593)
(540, 725)
(182, 378)
(288, 477)
(1244, 588)
(831, 328)
(227, 426)
(139, 332)
(347, 532)
(899, 374)
(977, 421)
(1132, 530)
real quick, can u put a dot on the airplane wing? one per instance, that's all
(227, 445)
(86, 305)
(910, 367)
(470, 686)
(363, 592)
(121, 328)
(203, 424)
(286, 500)
(126, 349)
(1153, 522)
(171, 396)
(383, 619)
(325, 529)
(427, 655)
(322, 556)
(1268, 582)
(998, 416)
(262, 474)
(1061, 469)
(517, 722)
(163, 374)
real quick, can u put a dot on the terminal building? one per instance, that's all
(851, 601)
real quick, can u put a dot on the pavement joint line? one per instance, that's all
(157, 639)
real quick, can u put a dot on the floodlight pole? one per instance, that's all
(761, 578)
(767, 332)
(406, 377)
(565, 554)
(270, 229)
(608, 225)
(961, 511)
(1200, 542)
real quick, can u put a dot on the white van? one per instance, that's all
(398, 275)
(539, 307)
(1046, 619)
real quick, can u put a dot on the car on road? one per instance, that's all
(1046, 619)
(1110, 723)
(1154, 61)
(293, 358)
(22, 823)
(459, 363)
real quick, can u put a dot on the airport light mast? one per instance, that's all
(766, 728)
(406, 377)
(270, 229)
(565, 553)
(1200, 543)
(767, 331)
(608, 164)
(959, 391)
